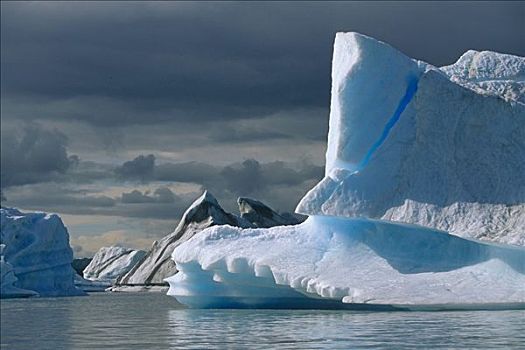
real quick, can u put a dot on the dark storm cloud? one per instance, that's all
(161, 204)
(244, 178)
(52, 195)
(221, 78)
(247, 178)
(238, 135)
(127, 63)
(161, 195)
(140, 168)
(35, 155)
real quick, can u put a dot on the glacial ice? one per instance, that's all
(157, 264)
(90, 286)
(8, 281)
(150, 272)
(417, 156)
(490, 73)
(109, 263)
(453, 159)
(36, 256)
(354, 261)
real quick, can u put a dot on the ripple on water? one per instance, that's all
(156, 321)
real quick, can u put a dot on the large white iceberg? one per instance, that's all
(36, 256)
(416, 157)
(408, 144)
(354, 261)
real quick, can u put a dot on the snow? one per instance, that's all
(36, 257)
(490, 73)
(452, 160)
(109, 263)
(356, 261)
(413, 151)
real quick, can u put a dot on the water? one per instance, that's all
(156, 321)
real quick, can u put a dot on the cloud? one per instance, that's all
(237, 135)
(157, 199)
(161, 195)
(140, 168)
(159, 62)
(231, 96)
(35, 155)
(88, 245)
(244, 177)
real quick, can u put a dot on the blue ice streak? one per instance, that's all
(410, 92)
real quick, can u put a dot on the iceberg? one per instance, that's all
(8, 281)
(260, 215)
(109, 263)
(150, 272)
(412, 143)
(36, 256)
(422, 206)
(362, 262)
(90, 286)
(157, 264)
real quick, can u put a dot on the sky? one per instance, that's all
(117, 115)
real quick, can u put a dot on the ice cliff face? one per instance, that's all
(411, 149)
(8, 281)
(411, 143)
(109, 263)
(36, 256)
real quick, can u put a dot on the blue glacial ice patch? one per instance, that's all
(410, 92)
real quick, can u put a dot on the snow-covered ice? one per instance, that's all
(109, 263)
(355, 261)
(416, 157)
(490, 73)
(36, 256)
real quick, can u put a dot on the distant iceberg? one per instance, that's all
(150, 272)
(8, 281)
(416, 157)
(110, 263)
(36, 256)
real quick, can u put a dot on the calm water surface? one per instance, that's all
(156, 321)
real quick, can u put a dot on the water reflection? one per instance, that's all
(156, 321)
(289, 329)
